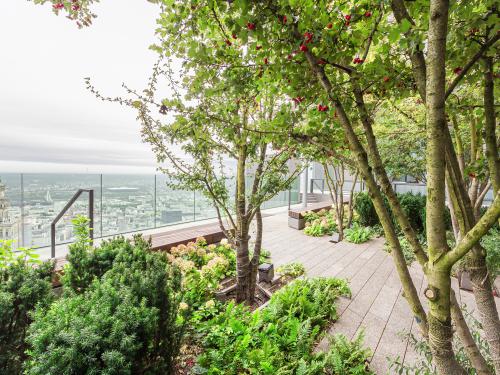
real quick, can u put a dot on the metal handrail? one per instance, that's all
(313, 182)
(63, 211)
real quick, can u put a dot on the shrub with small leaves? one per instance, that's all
(127, 322)
(292, 270)
(25, 285)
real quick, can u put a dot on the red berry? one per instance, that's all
(58, 6)
(258, 47)
(303, 48)
(228, 42)
(289, 57)
(348, 17)
(472, 175)
(386, 79)
(266, 61)
(234, 36)
(457, 70)
(284, 19)
(330, 25)
(321, 62)
(368, 14)
(250, 26)
(347, 23)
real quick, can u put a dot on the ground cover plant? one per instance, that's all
(358, 234)
(279, 338)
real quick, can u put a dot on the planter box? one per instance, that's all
(296, 223)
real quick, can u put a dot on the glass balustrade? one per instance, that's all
(122, 204)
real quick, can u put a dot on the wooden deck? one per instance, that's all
(376, 306)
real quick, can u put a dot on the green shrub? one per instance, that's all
(86, 263)
(364, 207)
(124, 323)
(292, 270)
(23, 287)
(276, 340)
(412, 204)
(358, 234)
(491, 243)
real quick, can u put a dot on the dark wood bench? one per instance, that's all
(295, 215)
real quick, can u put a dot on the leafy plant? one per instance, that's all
(278, 339)
(365, 209)
(491, 243)
(23, 288)
(345, 357)
(314, 230)
(292, 270)
(408, 253)
(358, 234)
(320, 223)
(125, 322)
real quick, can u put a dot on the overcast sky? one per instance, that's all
(48, 121)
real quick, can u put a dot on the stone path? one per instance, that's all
(376, 307)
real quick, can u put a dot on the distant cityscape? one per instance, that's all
(122, 203)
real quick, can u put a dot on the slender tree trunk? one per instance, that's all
(351, 203)
(466, 338)
(489, 135)
(438, 291)
(476, 260)
(364, 168)
(254, 264)
(241, 236)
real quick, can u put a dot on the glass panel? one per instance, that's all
(172, 206)
(45, 195)
(204, 209)
(127, 203)
(10, 209)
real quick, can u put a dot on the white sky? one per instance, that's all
(49, 122)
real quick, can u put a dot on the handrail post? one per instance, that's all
(63, 211)
(91, 216)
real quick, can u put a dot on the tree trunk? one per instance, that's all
(364, 168)
(254, 264)
(438, 291)
(489, 135)
(466, 338)
(476, 260)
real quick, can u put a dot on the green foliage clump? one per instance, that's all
(86, 263)
(125, 322)
(343, 357)
(412, 204)
(275, 340)
(292, 270)
(319, 223)
(408, 253)
(358, 234)
(365, 210)
(24, 287)
(491, 243)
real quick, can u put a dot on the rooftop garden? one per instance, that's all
(371, 89)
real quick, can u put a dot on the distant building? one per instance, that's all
(168, 217)
(9, 227)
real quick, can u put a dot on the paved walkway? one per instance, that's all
(376, 306)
